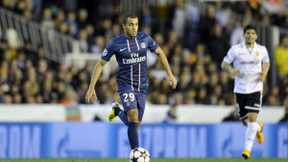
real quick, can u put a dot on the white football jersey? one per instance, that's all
(249, 63)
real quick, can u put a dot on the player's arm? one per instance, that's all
(95, 76)
(164, 61)
(229, 68)
(264, 73)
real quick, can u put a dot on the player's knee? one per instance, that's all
(133, 115)
(133, 119)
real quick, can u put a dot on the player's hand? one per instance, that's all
(172, 81)
(234, 73)
(263, 77)
(91, 92)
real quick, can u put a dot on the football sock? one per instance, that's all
(117, 111)
(133, 135)
(122, 115)
(250, 134)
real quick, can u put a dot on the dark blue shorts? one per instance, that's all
(133, 100)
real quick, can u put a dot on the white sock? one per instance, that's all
(258, 127)
(250, 134)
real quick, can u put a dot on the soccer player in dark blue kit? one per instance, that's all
(130, 49)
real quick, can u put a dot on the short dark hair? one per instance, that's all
(127, 15)
(249, 27)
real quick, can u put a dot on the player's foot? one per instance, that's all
(115, 109)
(259, 135)
(246, 154)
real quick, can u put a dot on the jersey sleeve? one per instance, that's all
(266, 58)
(108, 51)
(152, 45)
(229, 58)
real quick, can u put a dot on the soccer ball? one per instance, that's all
(139, 155)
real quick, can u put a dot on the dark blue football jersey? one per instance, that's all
(131, 55)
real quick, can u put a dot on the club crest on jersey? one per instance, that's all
(143, 45)
(105, 52)
(257, 54)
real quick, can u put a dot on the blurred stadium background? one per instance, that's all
(48, 50)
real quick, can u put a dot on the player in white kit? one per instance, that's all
(251, 64)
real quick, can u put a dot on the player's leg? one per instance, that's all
(253, 107)
(129, 102)
(135, 117)
(123, 117)
(251, 131)
(132, 128)
(243, 116)
(252, 120)
(141, 98)
(116, 111)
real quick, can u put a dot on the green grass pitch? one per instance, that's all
(152, 160)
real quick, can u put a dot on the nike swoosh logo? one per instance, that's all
(122, 49)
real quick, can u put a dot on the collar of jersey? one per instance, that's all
(129, 38)
(244, 45)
